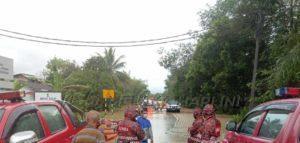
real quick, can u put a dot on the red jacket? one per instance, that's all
(129, 132)
(195, 131)
(211, 128)
(197, 127)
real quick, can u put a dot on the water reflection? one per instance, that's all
(165, 128)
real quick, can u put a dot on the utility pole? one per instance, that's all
(258, 34)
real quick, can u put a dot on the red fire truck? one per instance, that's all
(271, 122)
(43, 122)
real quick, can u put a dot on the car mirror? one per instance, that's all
(24, 137)
(231, 126)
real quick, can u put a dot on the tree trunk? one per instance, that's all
(255, 63)
(253, 87)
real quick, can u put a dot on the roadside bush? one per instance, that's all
(237, 118)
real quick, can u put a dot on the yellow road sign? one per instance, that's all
(108, 94)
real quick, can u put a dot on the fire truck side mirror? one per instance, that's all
(24, 137)
(231, 126)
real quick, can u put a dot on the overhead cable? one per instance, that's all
(97, 42)
(91, 45)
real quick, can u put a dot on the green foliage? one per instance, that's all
(222, 63)
(239, 117)
(176, 58)
(57, 70)
(83, 85)
(18, 85)
(112, 64)
(287, 69)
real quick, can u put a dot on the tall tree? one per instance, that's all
(57, 70)
(84, 87)
(112, 63)
(248, 47)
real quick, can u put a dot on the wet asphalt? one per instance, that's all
(170, 127)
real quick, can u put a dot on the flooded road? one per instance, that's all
(170, 127)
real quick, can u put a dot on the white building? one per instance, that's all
(6, 74)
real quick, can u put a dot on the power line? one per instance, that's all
(84, 45)
(97, 42)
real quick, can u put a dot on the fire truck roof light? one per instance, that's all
(287, 91)
(10, 95)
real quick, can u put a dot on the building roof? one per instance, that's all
(37, 86)
(27, 76)
(32, 83)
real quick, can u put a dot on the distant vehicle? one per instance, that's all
(272, 122)
(148, 103)
(173, 106)
(43, 121)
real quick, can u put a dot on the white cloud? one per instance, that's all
(113, 20)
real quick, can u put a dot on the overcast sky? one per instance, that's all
(97, 20)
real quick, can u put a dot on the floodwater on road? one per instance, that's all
(170, 127)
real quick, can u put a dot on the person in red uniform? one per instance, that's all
(197, 127)
(128, 130)
(212, 125)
